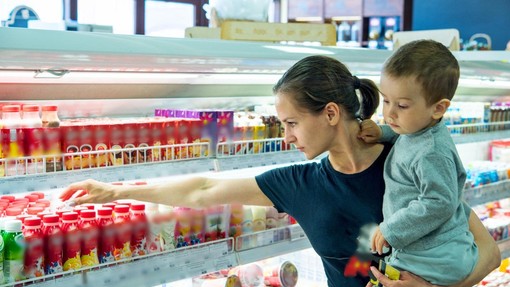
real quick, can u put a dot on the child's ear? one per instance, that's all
(440, 108)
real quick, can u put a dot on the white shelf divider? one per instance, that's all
(487, 193)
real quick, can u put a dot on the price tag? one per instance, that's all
(48, 283)
(296, 232)
(75, 280)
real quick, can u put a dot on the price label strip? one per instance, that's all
(296, 232)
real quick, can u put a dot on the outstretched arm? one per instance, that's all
(194, 192)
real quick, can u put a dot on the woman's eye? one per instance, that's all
(291, 124)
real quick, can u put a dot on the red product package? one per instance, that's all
(101, 141)
(116, 143)
(70, 145)
(143, 140)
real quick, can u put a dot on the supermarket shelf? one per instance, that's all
(296, 241)
(177, 264)
(487, 193)
(504, 248)
(469, 133)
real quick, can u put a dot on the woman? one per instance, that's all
(317, 103)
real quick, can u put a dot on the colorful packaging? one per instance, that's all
(116, 143)
(34, 254)
(168, 227)
(100, 143)
(72, 242)
(170, 137)
(143, 141)
(259, 218)
(90, 238)
(2, 249)
(14, 246)
(197, 226)
(106, 243)
(236, 220)
(70, 145)
(140, 229)
(271, 217)
(53, 244)
(123, 232)
(281, 275)
(86, 137)
(155, 221)
(250, 275)
(183, 226)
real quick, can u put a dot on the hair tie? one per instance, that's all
(356, 82)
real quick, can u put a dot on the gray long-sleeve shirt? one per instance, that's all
(424, 179)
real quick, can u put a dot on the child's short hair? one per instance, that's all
(431, 63)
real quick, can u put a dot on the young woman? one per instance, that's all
(316, 100)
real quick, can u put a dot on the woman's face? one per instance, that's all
(309, 133)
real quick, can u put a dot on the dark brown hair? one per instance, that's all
(316, 81)
(431, 63)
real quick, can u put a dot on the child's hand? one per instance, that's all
(370, 132)
(378, 242)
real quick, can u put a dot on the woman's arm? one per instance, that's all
(489, 256)
(489, 259)
(194, 192)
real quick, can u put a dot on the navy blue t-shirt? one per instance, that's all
(330, 207)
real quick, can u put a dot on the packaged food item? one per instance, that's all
(281, 275)
(14, 251)
(53, 244)
(32, 139)
(250, 275)
(140, 229)
(12, 140)
(236, 220)
(51, 138)
(2, 249)
(183, 226)
(197, 226)
(122, 232)
(168, 227)
(106, 243)
(259, 218)
(71, 255)
(90, 238)
(154, 220)
(34, 254)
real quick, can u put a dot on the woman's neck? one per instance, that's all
(351, 155)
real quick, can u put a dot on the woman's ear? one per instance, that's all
(332, 111)
(440, 108)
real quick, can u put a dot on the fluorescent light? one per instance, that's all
(73, 77)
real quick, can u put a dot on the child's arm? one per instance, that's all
(436, 178)
(372, 133)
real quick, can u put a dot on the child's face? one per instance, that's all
(405, 109)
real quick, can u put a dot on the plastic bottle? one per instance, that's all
(34, 254)
(123, 232)
(14, 251)
(12, 139)
(71, 255)
(53, 244)
(140, 228)
(106, 246)
(51, 138)
(168, 224)
(2, 248)
(90, 236)
(32, 138)
(49, 117)
(154, 231)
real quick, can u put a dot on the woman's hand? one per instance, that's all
(406, 280)
(89, 191)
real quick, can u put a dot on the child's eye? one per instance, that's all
(402, 106)
(386, 101)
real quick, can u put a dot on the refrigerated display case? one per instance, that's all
(99, 75)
